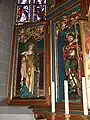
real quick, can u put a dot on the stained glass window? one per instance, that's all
(30, 10)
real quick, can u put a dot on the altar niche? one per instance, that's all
(69, 55)
(30, 76)
(31, 60)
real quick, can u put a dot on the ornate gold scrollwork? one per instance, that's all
(85, 117)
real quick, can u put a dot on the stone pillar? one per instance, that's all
(7, 8)
(7, 19)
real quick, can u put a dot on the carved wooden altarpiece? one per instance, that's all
(29, 82)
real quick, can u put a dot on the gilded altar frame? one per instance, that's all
(37, 34)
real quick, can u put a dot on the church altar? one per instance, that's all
(51, 64)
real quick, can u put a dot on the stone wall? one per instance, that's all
(7, 18)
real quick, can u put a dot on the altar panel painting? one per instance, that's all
(69, 57)
(30, 75)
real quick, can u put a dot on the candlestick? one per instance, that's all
(53, 116)
(66, 97)
(85, 107)
(53, 96)
(88, 15)
(67, 116)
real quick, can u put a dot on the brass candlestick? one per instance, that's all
(67, 116)
(85, 117)
(53, 116)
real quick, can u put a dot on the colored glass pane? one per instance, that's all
(30, 10)
(23, 13)
(39, 1)
(39, 12)
(23, 1)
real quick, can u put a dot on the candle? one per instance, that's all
(85, 107)
(53, 96)
(66, 97)
(89, 8)
(89, 54)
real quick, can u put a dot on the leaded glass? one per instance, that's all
(23, 13)
(39, 1)
(39, 12)
(30, 10)
(23, 1)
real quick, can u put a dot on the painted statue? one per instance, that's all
(27, 68)
(73, 60)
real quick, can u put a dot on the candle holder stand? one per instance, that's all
(67, 116)
(85, 117)
(53, 116)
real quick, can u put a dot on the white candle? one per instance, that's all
(89, 8)
(85, 107)
(89, 54)
(53, 96)
(88, 93)
(66, 97)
